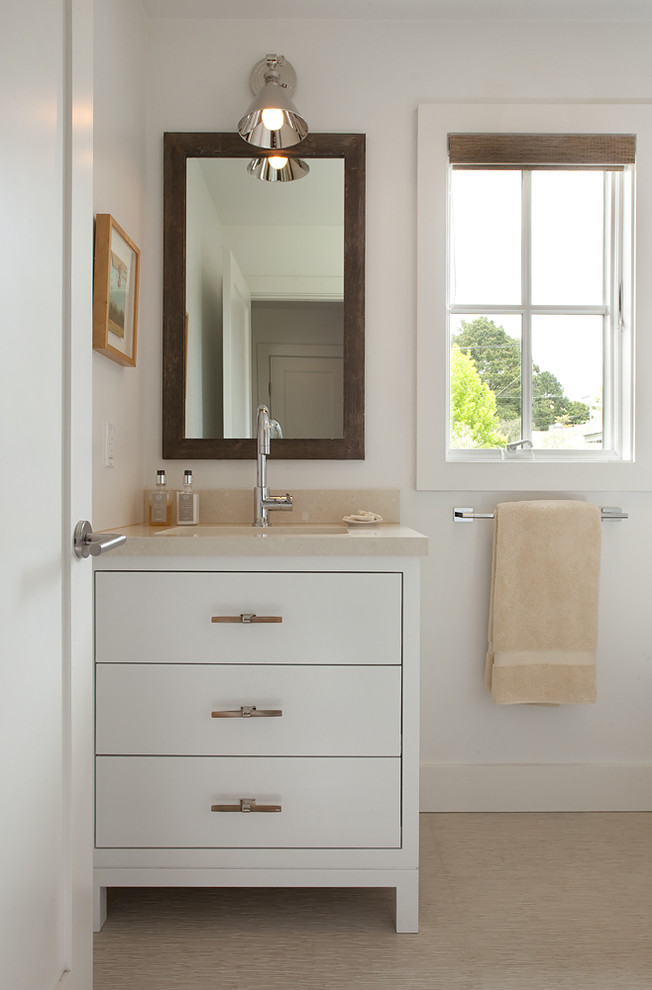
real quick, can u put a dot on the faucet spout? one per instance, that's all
(263, 501)
(263, 445)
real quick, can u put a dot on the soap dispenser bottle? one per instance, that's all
(187, 503)
(160, 504)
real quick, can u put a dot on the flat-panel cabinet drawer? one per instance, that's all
(150, 802)
(248, 710)
(205, 617)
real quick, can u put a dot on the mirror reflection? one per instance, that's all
(264, 299)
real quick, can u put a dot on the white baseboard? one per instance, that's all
(536, 787)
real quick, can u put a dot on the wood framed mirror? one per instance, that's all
(224, 289)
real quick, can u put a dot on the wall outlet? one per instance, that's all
(109, 445)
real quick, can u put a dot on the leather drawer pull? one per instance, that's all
(249, 711)
(248, 618)
(246, 806)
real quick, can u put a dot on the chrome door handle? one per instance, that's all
(86, 542)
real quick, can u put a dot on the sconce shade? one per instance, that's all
(272, 121)
(285, 169)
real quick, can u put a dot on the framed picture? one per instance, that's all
(115, 291)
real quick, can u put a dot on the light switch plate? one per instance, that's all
(109, 445)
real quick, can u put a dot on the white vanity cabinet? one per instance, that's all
(257, 724)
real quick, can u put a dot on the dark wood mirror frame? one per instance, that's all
(178, 147)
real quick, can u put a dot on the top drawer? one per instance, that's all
(166, 617)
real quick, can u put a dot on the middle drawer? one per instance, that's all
(327, 710)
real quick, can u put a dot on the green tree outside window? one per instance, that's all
(497, 359)
(474, 417)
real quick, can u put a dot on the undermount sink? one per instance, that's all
(296, 529)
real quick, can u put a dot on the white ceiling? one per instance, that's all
(490, 10)
(316, 200)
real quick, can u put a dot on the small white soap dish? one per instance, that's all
(362, 518)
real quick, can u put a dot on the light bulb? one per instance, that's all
(276, 161)
(272, 118)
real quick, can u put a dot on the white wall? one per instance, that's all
(297, 249)
(204, 274)
(298, 321)
(369, 77)
(119, 151)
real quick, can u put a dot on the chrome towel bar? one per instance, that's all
(464, 515)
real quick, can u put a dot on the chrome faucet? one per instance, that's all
(263, 501)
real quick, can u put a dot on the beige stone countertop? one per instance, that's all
(293, 540)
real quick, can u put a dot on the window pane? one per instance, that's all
(485, 381)
(567, 382)
(485, 249)
(567, 238)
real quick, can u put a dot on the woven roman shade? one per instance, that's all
(542, 151)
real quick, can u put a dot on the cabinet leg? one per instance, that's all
(407, 903)
(99, 907)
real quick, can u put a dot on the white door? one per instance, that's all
(45, 662)
(236, 347)
(306, 395)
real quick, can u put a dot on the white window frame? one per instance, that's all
(616, 381)
(629, 467)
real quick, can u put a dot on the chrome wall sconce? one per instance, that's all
(272, 121)
(276, 168)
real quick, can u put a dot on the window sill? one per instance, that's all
(540, 474)
(535, 456)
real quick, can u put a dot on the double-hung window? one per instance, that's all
(538, 270)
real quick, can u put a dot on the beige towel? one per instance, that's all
(543, 619)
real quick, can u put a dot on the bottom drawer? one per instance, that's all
(163, 802)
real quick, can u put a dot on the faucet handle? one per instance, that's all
(279, 501)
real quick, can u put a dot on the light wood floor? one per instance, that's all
(508, 902)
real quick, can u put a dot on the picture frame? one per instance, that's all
(115, 291)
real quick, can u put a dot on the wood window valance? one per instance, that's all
(542, 151)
